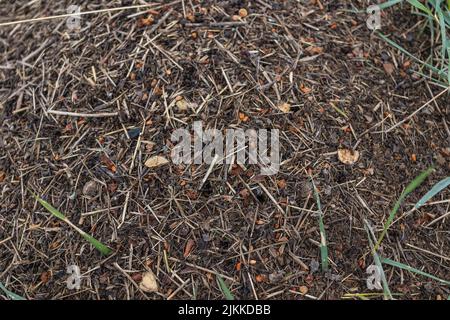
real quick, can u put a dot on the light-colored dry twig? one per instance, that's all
(84, 115)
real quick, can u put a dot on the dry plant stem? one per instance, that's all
(4, 24)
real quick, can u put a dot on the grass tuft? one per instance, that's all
(438, 187)
(410, 188)
(411, 269)
(9, 294)
(224, 288)
(97, 244)
(323, 237)
(437, 15)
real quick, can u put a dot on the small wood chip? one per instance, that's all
(156, 161)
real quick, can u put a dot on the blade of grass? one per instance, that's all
(420, 6)
(97, 244)
(224, 288)
(411, 269)
(376, 259)
(323, 238)
(443, 29)
(410, 188)
(10, 294)
(438, 187)
(390, 3)
(398, 47)
(366, 296)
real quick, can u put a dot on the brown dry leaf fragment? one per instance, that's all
(148, 283)
(192, 194)
(182, 105)
(281, 184)
(260, 278)
(137, 277)
(108, 163)
(305, 89)
(314, 50)
(303, 290)
(145, 22)
(188, 248)
(244, 193)
(243, 117)
(389, 68)
(156, 161)
(2, 176)
(243, 12)
(348, 156)
(190, 17)
(284, 107)
(45, 276)
(369, 171)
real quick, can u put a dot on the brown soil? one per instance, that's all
(316, 56)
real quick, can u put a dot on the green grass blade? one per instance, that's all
(438, 187)
(411, 269)
(376, 259)
(50, 208)
(224, 288)
(390, 3)
(411, 187)
(443, 29)
(420, 6)
(97, 244)
(10, 294)
(323, 238)
(400, 48)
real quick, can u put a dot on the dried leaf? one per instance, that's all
(145, 22)
(243, 13)
(314, 50)
(108, 163)
(284, 107)
(348, 156)
(148, 283)
(305, 89)
(388, 67)
(182, 105)
(281, 184)
(303, 290)
(189, 246)
(243, 117)
(156, 161)
(260, 278)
